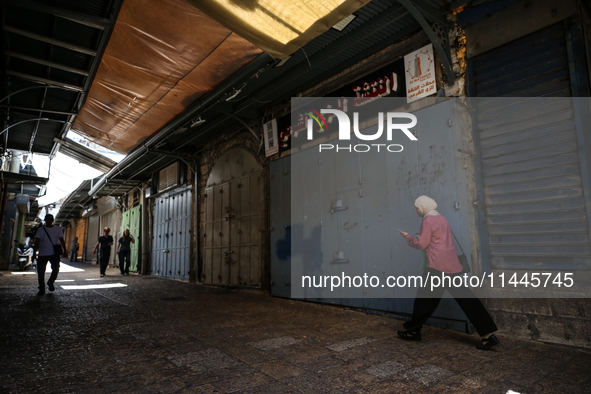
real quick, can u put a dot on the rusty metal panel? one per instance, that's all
(81, 234)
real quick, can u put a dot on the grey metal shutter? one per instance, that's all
(531, 171)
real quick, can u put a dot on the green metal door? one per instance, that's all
(132, 220)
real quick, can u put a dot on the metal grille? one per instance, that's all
(531, 169)
(168, 177)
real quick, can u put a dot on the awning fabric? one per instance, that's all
(162, 56)
(279, 27)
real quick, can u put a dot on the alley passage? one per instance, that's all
(142, 334)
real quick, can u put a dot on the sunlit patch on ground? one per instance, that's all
(65, 268)
(89, 287)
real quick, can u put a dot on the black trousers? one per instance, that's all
(124, 261)
(42, 266)
(427, 301)
(104, 260)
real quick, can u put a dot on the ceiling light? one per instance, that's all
(197, 122)
(344, 23)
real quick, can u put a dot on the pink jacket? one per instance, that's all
(437, 241)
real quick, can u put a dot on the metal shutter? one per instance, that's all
(168, 177)
(531, 172)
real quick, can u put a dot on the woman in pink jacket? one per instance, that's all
(436, 240)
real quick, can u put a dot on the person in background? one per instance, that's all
(45, 239)
(124, 251)
(74, 250)
(437, 240)
(105, 241)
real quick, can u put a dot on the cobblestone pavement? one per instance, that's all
(154, 335)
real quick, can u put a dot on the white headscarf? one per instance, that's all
(427, 206)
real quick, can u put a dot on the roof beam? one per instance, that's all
(85, 155)
(83, 19)
(430, 13)
(49, 111)
(39, 37)
(170, 154)
(44, 80)
(45, 63)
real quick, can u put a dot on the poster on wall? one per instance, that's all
(271, 141)
(419, 69)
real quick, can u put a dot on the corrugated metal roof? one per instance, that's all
(42, 50)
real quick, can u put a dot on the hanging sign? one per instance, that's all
(367, 92)
(271, 140)
(419, 69)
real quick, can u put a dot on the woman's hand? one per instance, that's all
(404, 234)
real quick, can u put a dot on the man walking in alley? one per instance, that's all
(105, 241)
(47, 241)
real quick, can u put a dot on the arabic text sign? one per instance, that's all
(419, 69)
(271, 141)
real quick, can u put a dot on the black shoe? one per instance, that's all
(51, 287)
(488, 343)
(410, 335)
(41, 292)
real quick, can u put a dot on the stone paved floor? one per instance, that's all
(156, 335)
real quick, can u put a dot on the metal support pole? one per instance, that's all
(146, 245)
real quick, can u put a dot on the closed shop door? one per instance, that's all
(131, 220)
(81, 234)
(93, 233)
(172, 225)
(532, 177)
(232, 237)
(346, 208)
